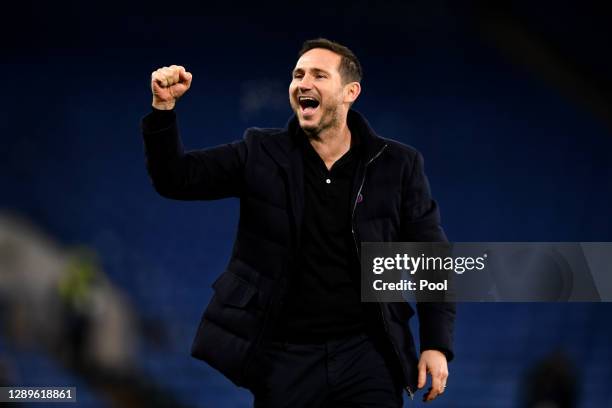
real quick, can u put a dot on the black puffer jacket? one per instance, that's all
(264, 170)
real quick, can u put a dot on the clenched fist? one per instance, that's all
(168, 84)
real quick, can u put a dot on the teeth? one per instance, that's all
(306, 98)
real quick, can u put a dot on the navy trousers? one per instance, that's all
(350, 372)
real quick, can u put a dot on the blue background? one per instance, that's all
(514, 124)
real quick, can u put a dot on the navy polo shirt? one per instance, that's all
(323, 300)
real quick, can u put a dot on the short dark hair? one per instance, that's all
(350, 68)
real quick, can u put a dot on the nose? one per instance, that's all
(305, 83)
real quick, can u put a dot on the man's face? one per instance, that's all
(316, 92)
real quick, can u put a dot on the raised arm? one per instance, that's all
(206, 174)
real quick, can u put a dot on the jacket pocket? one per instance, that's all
(234, 305)
(232, 290)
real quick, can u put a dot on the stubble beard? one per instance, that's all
(330, 118)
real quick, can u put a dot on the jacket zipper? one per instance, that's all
(361, 187)
(410, 392)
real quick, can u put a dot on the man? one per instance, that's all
(286, 319)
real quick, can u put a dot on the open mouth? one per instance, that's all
(308, 104)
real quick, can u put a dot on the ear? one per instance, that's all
(351, 91)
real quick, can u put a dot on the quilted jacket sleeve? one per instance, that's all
(207, 174)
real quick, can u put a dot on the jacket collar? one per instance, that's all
(371, 142)
(285, 146)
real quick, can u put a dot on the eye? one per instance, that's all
(298, 75)
(320, 76)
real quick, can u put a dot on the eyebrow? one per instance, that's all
(315, 70)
